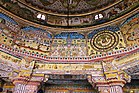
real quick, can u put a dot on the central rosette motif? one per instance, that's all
(104, 41)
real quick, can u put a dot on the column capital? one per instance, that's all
(117, 76)
(27, 84)
(110, 81)
(33, 80)
(110, 78)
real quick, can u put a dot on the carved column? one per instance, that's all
(110, 88)
(110, 82)
(114, 79)
(8, 87)
(26, 84)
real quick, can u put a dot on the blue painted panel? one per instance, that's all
(7, 18)
(109, 28)
(71, 35)
(130, 18)
(31, 28)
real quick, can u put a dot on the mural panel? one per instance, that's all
(130, 29)
(31, 39)
(69, 44)
(105, 39)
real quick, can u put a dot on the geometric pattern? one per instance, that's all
(104, 41)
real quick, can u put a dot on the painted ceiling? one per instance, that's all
(61, 43)
(69, 13)
(21, 30)
(70, 6)
(86, 33)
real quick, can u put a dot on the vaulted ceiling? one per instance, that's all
(69, 13)
(68, 31)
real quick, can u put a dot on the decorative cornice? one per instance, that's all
(87, 59)
(111, 83)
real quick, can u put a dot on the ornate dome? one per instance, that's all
(64, 42)
(71, 7)
(71, 13)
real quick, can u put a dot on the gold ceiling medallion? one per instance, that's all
(104, 41)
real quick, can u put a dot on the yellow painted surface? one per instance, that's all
(68, 66)
(9, 58)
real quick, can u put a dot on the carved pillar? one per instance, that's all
(111, 82)
(8, 87)
(114, 79)
(23, 85)
(27, 85)
(110, 88)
